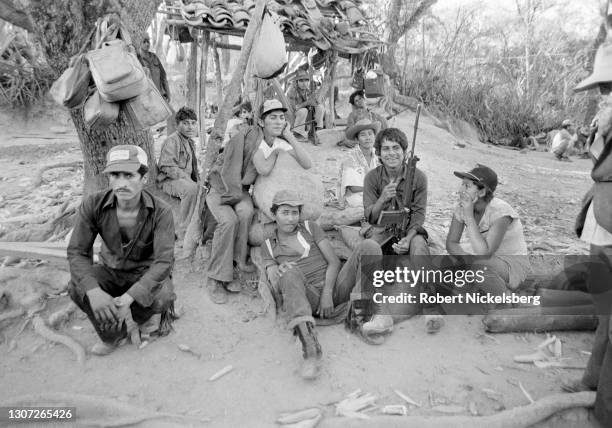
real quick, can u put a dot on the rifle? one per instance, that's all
(399, 218)
(391, 116)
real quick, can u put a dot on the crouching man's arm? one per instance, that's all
(326, 301)
(80, 260)
(163, 258)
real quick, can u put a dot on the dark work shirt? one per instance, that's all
(150, 253)
(376, 180)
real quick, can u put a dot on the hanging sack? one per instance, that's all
(99, 113)
(269, 50)
(357, 81)
(70, 89)
(115, 69)
(374, 84)
(148, 108)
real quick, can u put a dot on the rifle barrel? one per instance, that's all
(416, 127)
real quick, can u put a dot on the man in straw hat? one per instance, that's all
(130, 290)
(361, 159)
(301, 99)
(594, 225)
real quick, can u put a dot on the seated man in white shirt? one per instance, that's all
(277, 137)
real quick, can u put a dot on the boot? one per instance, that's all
(311, 350)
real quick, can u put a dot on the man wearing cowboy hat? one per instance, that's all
(361, 159)
(594, 225)
(131, 288)
(301, 99)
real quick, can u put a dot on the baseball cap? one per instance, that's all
(271, 105)
(482, 175)
(125, 158)
(566, 122)
(287, 197)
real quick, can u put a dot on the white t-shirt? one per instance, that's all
(279, 143)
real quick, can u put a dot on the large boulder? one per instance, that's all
(288, 174)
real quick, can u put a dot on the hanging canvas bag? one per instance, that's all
(115, 69)
(374, 84)
(98, 113)
(269, 50)
(148, 108)
(357, 81)
(70, 89)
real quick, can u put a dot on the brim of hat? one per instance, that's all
(283, 109)
(353, 131)
(468, 176)
(122, 167)
(591, 82)
(291, 203)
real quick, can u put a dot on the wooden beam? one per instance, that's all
(192, 76)
(229, 46)
(332, 76)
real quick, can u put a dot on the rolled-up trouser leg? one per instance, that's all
(319, 116)
(299, 299)
(221, 265)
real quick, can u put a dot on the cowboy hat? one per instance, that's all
(352, 132)
(602, 69)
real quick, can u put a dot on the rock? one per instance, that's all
(288, 174)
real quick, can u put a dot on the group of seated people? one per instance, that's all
(138, 237)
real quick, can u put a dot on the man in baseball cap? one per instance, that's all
(482, 175)
(302, 101)
(130, 291)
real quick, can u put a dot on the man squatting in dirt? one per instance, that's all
(251, 152)
(131, 289)
(178, 167)
(594, 225)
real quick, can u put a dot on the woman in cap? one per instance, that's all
(484, 225)
(361, 159)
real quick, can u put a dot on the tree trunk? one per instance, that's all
(96, 143)
(192, 76)
(62, 27)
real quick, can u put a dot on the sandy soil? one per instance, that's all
(450, 368)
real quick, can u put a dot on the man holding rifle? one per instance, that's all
(394, 199)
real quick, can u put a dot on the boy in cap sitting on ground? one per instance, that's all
(300, 262)
(131, 288)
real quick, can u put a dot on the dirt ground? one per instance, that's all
(460, 366)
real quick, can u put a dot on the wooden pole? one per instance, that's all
(332, 76)
(201, 100)
(218, 77)
(192, 76)
(194, 231)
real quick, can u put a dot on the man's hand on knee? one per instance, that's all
(104, 309)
